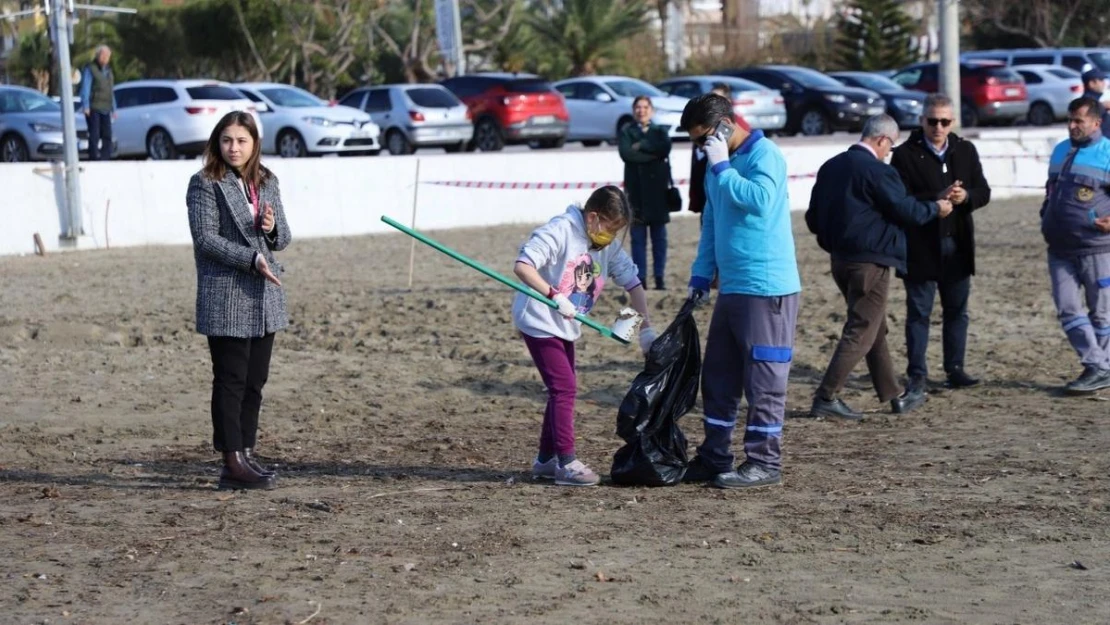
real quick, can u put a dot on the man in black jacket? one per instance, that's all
(936, 164)
(858, 209)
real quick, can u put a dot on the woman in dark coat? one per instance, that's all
(644, 148)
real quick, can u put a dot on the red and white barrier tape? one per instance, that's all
(479, 184)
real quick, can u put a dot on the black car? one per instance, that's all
(904, 105)
(815, 103)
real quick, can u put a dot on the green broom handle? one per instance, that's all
(530, 292)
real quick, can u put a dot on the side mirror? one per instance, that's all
(787, 88)
(603, 97)
(262, 107)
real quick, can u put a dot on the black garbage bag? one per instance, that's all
(654, 453)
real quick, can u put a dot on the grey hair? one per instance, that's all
(102, 47)
(879, 126)
(937, 100)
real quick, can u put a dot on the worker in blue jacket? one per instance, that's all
(1075, 222)
(747, 241)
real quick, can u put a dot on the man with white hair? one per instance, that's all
(99, 102)
(858, 210)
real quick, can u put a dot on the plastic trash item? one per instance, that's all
(654, 453)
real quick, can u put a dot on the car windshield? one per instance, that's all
(18, 101)
(214, 92)
(429, 97)
(1065, 73)
(875, 82)
(630, 88)
(810, 78)
(290, 97)
(527, 85)
(1101, 60)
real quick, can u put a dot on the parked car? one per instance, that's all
(511, 109)
(902, 104)
(415, 116)
(1079, 59)
(31, 127)
(761, 107)
(1051, 88)
(989, 91)
(300, 124)
(164, 119)
(601, 106)
(816, 104)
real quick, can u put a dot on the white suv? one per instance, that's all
(300, 124)
(165, 119)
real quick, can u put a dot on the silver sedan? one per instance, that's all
(761, 107)
(31, 127)
(1050, 88)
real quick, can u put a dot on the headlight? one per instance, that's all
(319, 121)
(37, 127)
(907, 105)
(836, 97)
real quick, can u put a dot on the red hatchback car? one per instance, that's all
(990, 92)
(512, 108)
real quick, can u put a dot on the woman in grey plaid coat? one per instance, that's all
(237, 222)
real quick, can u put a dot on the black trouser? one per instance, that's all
(239, 371)
(100, 129)
(954, 293)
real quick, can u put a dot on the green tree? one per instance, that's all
(588, 34)
(32, 63)
(875, 35)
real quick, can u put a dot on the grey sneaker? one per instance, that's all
(576, 474)
(544, 470)
(748, 475)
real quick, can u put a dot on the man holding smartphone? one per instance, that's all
(747, 241)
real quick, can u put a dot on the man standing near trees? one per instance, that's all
(940, 255)
(99, 102)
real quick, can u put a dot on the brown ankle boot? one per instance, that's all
(252, 460)
(238, 475)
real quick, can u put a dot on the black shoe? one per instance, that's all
(958, 378)
(699, 471)
(659, 286)
(907, 401)
(1092, 379)
(748, 475)
(833, 408)
(917, 383)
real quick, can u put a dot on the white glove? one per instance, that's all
(647, 338)
(716, 150)
(566, 308)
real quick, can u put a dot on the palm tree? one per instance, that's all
(588, 32)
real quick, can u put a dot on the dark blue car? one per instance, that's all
(904, 105)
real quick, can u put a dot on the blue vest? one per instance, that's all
(1077, 193)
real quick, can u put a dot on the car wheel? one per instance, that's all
(969, 117)
(487, 136)
(397, 143)
(290, 144)
(455, 148)
(13, 149)
(814, 123)
(160, 146)
(591, 144)
(1040, 114)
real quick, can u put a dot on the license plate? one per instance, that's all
(82, 145)
(544, 119)
(1012, 92)
(360, 134)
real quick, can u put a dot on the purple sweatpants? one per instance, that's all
(554, 357)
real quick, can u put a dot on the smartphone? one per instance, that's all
(723, 130)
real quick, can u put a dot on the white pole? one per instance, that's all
(58, 22)
(950, 53)
(415, 195)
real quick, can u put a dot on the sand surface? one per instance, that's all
(403, 423)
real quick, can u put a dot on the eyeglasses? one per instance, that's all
(933, 121)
